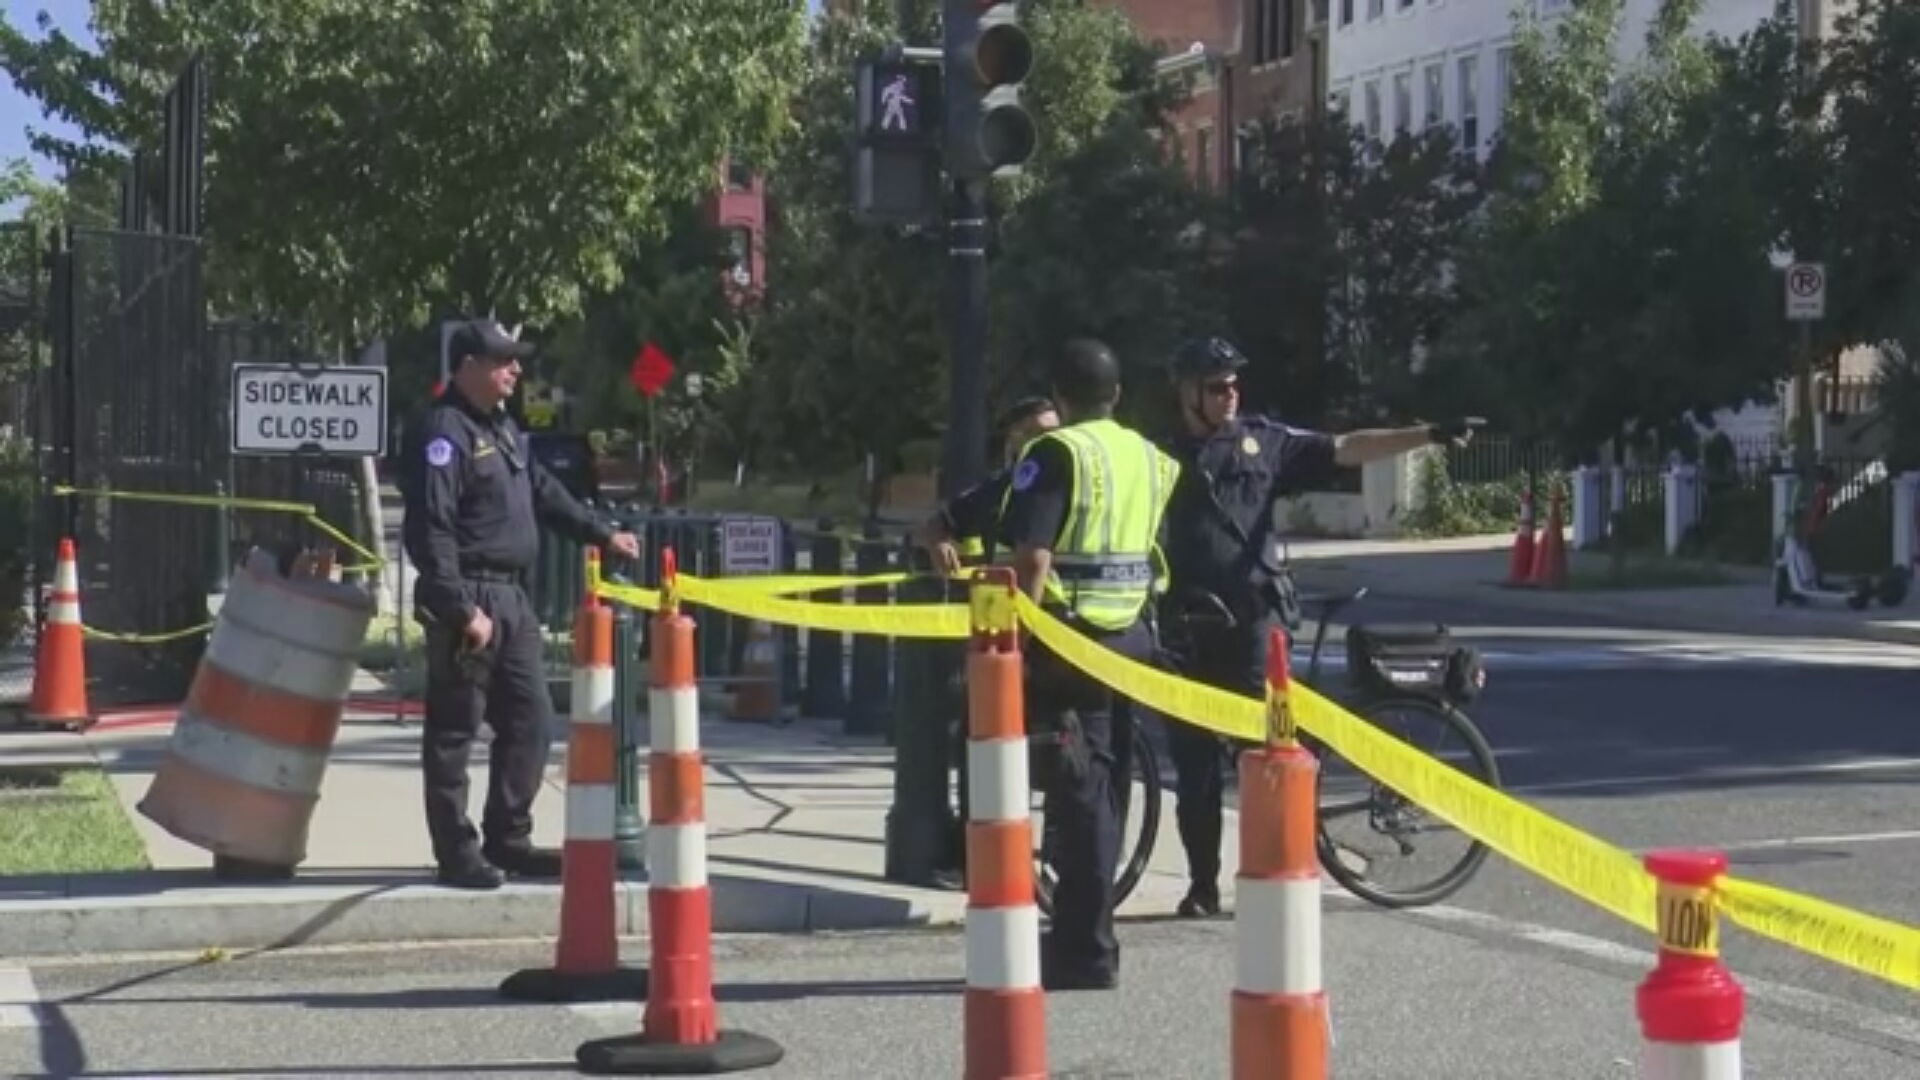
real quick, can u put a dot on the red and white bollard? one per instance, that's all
(680, 1029)
(1005, 1026)
(1690, 1006)
(1279, 1019)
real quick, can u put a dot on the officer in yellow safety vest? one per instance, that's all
(1083, 516)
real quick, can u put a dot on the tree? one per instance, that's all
(371, 161)
(1339, 278)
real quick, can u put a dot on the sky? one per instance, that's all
(18, 111)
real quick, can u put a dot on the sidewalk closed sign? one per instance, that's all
(750, 545)
(287, 409)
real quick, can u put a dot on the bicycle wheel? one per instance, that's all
(1391, 822)
(1141, 793)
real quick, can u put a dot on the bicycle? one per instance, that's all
(1400, 671)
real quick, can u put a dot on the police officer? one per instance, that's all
(957, 534)
(475, 499)
(1083, 516)
(1221, 540)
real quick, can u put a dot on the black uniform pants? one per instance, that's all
(505, 685)
(1233, 660)
(1083, 804)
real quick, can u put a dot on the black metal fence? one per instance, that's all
(129, 409)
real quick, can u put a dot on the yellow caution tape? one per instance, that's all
(1868, 944)
(630, 595)
(1587, 867)
(270, 505)
(145, 639)
(789, 584)
(947, 621)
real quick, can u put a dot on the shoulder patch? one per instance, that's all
(1026, 474)
(439, 452)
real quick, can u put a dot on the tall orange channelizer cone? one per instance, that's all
(680, 1032)
(1520, 569)
(60, 663)
(1550, 555)
(586, 965)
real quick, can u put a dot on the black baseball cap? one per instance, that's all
(484, 337)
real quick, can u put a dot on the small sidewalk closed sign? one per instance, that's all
(750, 545)
(287, 409)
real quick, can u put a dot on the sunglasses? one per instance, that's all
(1221, 387)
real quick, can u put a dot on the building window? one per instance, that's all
(740, 249)
(1372, 117)
(739, 175)
(1402, 102)
(1346, 12)
(1503, 79)
(1272, 30)
(1436, 104)
(1406, 5)
(1470, 104)
(1376, 8)
(1342, 101)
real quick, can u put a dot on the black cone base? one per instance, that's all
(546, 984)
(633, 1055)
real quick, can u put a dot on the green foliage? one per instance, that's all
(1449, 508)
(372, 161)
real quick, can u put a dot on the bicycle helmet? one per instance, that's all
(1199, 358)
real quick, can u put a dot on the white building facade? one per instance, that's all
(1404, 65)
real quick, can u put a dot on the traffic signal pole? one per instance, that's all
(966, 448)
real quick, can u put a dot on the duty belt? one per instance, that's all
(493, 575)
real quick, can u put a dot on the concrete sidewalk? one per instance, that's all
(1472, 571)
(796, 818)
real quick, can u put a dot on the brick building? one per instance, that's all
(739, 208)
(1249, 59)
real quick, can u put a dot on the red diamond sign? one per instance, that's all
(651, 370)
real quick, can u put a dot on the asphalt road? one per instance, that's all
(1797, 758)
(1412, 999)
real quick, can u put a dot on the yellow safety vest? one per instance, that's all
(1106, 563)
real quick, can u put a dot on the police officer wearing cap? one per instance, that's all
(959, 532)
(1083, 517)
(1222, 541)
(475, 499)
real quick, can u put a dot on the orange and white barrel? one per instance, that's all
(1006, 1008)
(243, 770)
(1279, 1004)
(1690, 1006)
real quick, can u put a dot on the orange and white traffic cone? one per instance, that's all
(1005, 1026)
(1279, 1006)
(1520, 566)
(1550, 555)
(586, 963)
(680, 1028)
(758, 697)
(1690, 1006)
(60, 661)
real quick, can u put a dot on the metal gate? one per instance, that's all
(128, 408)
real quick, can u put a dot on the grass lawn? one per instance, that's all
(64, 820)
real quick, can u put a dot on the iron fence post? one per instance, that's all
(825, 697)
(917, 827)
(629, 830)
(868, 705)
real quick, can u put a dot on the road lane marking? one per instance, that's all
(1902, 1029)
(19, 999)
(1712, 776)
(1848, 839)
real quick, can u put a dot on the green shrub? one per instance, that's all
(16, 515)
(1448, 508)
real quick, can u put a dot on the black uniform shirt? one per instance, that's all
(475, 500)
(976, 511)
(1247, 464)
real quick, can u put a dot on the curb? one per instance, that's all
(83, 916)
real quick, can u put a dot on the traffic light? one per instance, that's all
(988, 131)
(897, 171)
